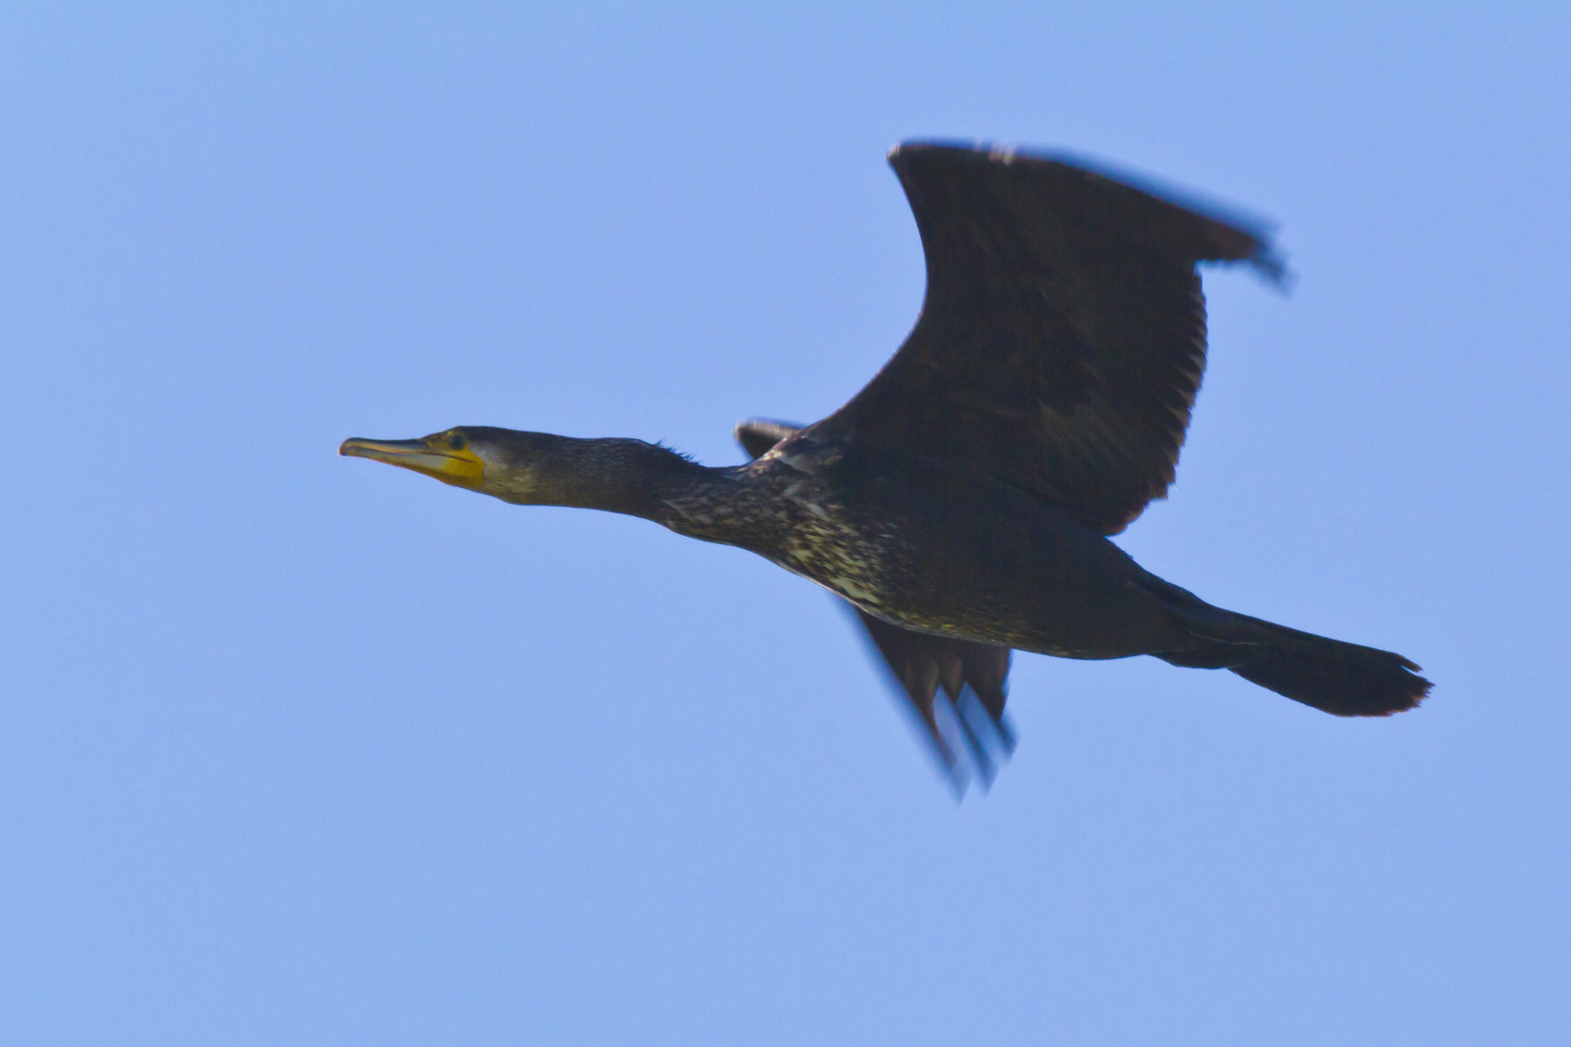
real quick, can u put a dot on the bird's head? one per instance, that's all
(498, 462)
(534, 468)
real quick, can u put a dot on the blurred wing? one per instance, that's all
(1063, 335)
(973, 675)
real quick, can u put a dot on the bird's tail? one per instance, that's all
(1341, 678)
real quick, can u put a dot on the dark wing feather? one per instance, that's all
(972, 674)
(1062, 339)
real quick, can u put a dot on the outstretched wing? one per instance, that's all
(973, 675)
(1063, 335)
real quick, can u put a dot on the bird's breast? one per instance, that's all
(795, 516)
(823, 544)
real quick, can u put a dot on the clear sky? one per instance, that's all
(304, 750)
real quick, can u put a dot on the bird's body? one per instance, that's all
(962, 502)
(931, 549)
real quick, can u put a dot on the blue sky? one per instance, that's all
(301, 750)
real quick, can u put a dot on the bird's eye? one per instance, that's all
(456, 441)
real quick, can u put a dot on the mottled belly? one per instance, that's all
(836, 557)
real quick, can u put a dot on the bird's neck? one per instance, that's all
(619, 476)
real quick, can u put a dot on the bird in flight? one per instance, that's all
(962, 502)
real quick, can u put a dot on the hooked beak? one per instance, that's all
(428, 455)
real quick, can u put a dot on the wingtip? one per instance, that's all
(1413, 696)
(1271, 266)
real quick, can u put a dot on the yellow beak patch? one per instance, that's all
(431, 455)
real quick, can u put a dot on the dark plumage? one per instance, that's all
(961, 502)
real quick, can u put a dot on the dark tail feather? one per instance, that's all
(1341, 678)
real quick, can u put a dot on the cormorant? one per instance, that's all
(962, 501)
